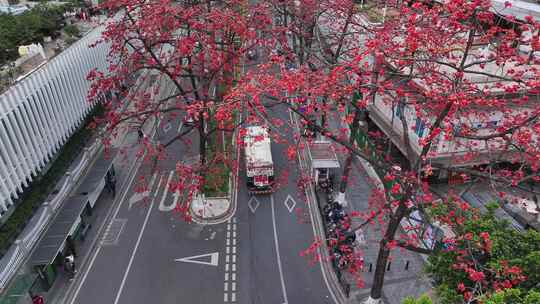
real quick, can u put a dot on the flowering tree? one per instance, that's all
(486, 256)
(457, 83)
(188, 54)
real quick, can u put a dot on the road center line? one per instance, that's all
(283, 288)
(136, 245)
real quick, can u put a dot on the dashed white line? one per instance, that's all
(228, 257)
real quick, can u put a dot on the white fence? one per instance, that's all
(11, 261)
(40, 112)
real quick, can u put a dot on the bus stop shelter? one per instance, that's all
(322, 156)
(69, 223)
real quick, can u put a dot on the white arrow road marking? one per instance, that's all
(176, 195)
(214, 259)
(180, 127)
(290, 203)
(251, 204)
(137, 197)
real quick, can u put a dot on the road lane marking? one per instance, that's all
(162, 206)
(253, 204)
(122, 199)
(276, 243)
(214, 259)
(180, 127)
(228, 257)
(290, 203)
(119, 293)
(137, 197)
(112, 234)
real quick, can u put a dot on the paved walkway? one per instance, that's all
(103, 205)
(210, 208)
(404, 277)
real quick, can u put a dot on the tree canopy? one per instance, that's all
(451, 69)
(26, 28)
(487, 257)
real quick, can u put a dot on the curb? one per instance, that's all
(227, 215)
(323, 252)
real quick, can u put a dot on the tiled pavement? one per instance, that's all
(399, 281)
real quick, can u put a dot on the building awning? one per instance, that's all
(69, 214)
(96, 174)
(57, 233)
(323, 155)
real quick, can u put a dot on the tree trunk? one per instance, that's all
(348, 162)
(202, 140)
(384, 253)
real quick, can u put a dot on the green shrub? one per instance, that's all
(72, 30)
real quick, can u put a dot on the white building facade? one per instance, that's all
(40, 112)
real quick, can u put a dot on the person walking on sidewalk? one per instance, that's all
(69, 264)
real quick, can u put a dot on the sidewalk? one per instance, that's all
(404, 277)
(100, 215)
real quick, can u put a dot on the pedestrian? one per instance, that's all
(112, 185)
(69, 264)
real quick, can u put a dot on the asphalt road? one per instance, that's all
(274, 229)
(148, 254)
